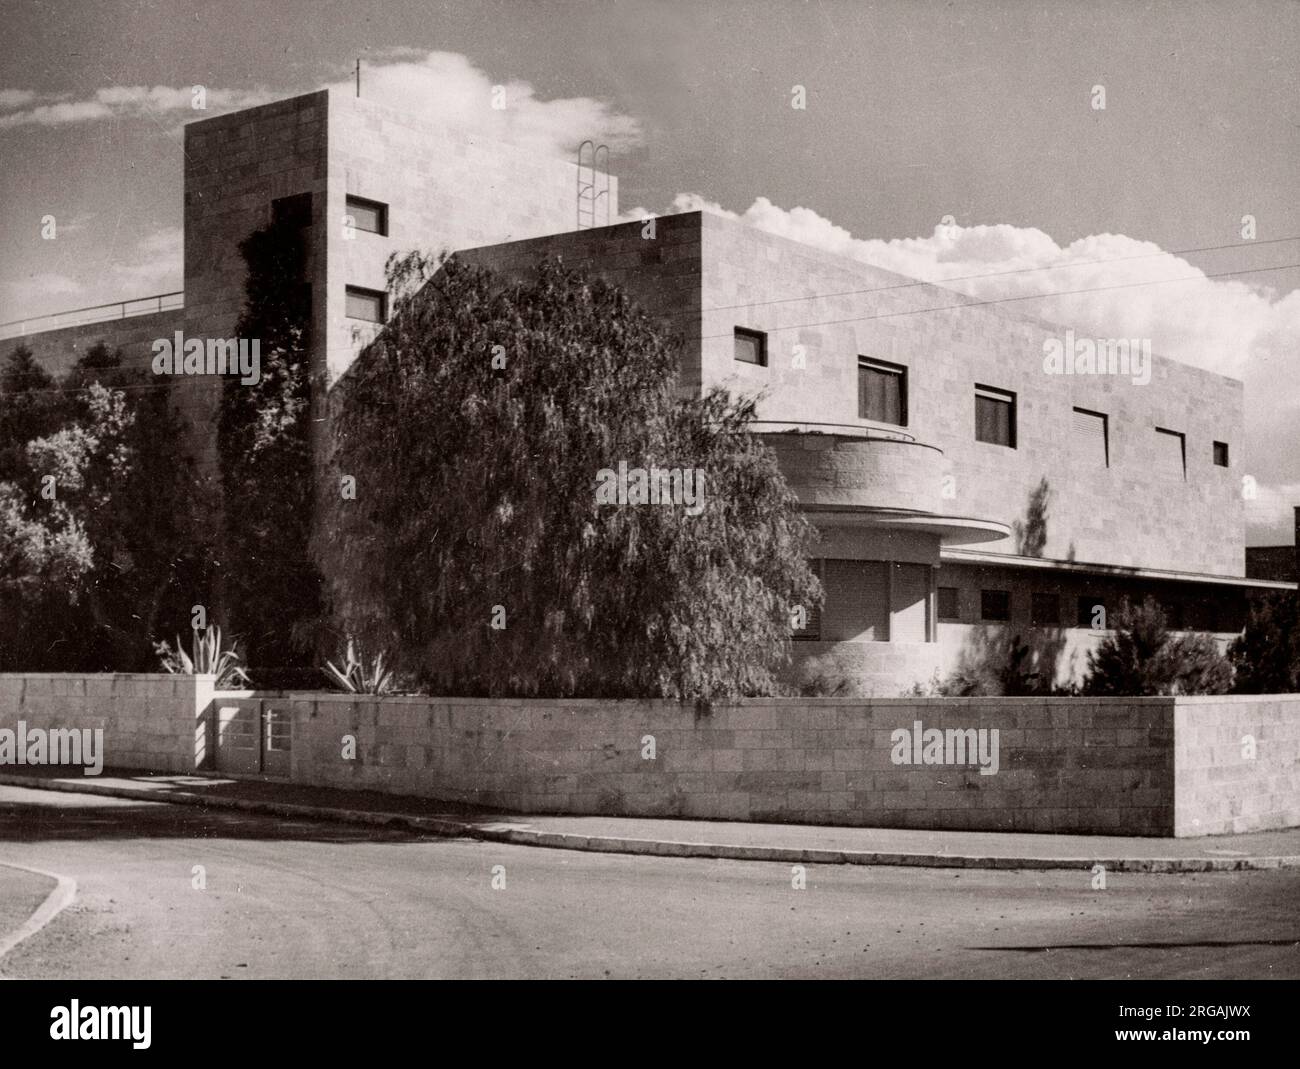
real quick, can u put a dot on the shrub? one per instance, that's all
(1142, 658)
(208, 655)
(1267, 655)
(361, 674)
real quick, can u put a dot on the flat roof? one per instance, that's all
(1011, 560)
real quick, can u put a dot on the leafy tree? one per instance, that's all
(271, 585)
(31, 406)
(1142, 657)
(475, 427)
(1267, 655)
(95, 544)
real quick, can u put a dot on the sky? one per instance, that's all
(942, 140)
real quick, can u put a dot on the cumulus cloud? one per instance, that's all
(1223, 325)
(446, 87)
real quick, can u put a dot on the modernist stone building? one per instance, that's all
(918, 427)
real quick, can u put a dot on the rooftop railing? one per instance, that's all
(95, 313)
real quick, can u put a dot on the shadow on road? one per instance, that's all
(57, 817)
(1208, 943)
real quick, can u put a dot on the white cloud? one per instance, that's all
(1222, 325)
(16, 98)
(446, 87)
(122, 102)
(443, 87)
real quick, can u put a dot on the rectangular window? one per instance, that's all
(368, 215)
(995, 605)
(1092, 611)
(751, 347)
(812, 629)
(882, 391)
(370, 305)
(857, 601)
(294, 211)
(1175, 615)
(1171, 453)
(1091, 437)
(948, 604)
(1221, 454)
(995, 416)
(1045, 610)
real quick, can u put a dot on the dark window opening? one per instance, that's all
(995, 605)
(882, 391)
(294, 211)
(995, 416)
(751, 347)
(1092, 612)
(948, 607)
(1221, 454)
(1045, 610)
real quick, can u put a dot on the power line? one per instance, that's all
(1024, 297)
(969, 303)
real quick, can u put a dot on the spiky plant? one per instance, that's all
(359, 674)
(209, 656)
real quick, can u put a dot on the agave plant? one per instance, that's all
(359, 674)
(209, 656)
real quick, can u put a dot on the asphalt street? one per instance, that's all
(178, 892)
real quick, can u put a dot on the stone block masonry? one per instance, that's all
(1116, 766)
(151, 721)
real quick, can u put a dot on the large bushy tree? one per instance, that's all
(98, 550)
(271, 589)
(474, 429)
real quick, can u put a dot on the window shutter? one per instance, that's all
(911, 592)
(1090, 436)
(857, 601)
(1169, 455)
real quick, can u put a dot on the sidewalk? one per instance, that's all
(791, 843)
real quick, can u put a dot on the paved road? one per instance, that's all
(296, 899)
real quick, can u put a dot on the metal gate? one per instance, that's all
(254, 736)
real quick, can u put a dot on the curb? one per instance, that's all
(55, 903)
(554, 840)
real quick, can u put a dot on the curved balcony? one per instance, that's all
(870, 476)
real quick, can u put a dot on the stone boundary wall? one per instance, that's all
(1219, 787)
(1133, 766)
(1076, 765)
(150, 721)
